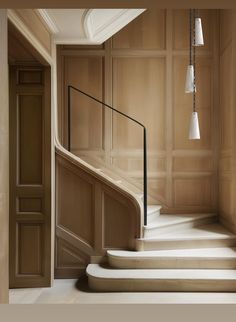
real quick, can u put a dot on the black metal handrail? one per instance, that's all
(70, 87)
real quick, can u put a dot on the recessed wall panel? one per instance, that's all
(30, 249)
(30, 127)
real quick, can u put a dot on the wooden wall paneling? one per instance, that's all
(30, 177)
(226, 118)
(34, 23)
(118, 221)
(195, 160)
(20, 49)
(227, 153)
(4, 162)
(79, 204)
(132, 75)
(61, 108)
(215, 107)
(144, 77)
(86, 206)
(108, 114)
(169, 110)
(139, 77)
(181, 29)
(70, 261)
(86, 114)
(145, 32)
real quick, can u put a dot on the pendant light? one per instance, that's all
(189, 83)
(199, 40)
(194, 131)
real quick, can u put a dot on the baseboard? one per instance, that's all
(68, 273)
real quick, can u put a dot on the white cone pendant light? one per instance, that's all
(199, 41)
(189, 83)
(194, 131)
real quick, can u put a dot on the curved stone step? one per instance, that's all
(205, 236)
(153, 212)
(217, 258)
(168, 223)
(160, 280)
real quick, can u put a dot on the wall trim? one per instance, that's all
(48, 20)
(13, 17)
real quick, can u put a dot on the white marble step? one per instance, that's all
(217, 258)
(153, 212)
(211, 235)
(168, 223)
(160, 280)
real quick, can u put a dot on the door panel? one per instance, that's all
(30, 177)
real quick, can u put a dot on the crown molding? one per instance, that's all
(48, 20)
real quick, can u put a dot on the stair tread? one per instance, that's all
(95, 270)
(205, 253)
(168, 220)
(209, 231)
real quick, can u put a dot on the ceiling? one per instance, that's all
(86, 26)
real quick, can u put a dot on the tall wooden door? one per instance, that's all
(30, 177)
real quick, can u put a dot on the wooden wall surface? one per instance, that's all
(141, 71)
(227, 134)
(93, 215)
(4, 161)
(33, 21)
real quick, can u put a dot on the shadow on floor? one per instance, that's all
(82, 285)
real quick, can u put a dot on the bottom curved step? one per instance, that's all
(105, 279)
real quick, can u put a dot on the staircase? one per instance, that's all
(178, 253)
(174, 253)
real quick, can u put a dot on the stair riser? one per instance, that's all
(157, 285)
(154, 232)
(153, 216)
(142, 245)
(174, 263)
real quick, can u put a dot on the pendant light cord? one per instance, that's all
(190, 36)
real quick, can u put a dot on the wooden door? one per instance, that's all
(30, 177)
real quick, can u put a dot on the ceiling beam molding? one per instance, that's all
(86, 26)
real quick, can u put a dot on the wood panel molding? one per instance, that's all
(4, 162)
(144, 77)
(105, 200)
(33, 29)
(227, 148)
(140, 71)
(30, 177)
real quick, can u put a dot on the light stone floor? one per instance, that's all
(76, 292)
